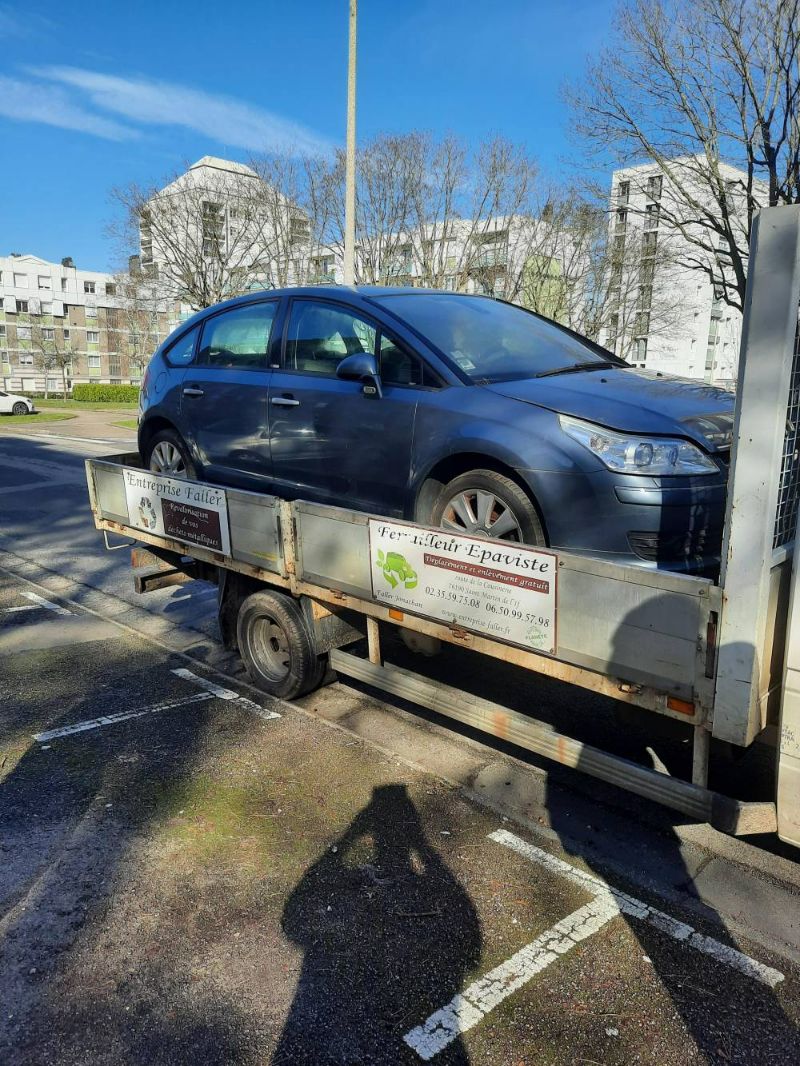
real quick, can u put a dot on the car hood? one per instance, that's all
(634, 401)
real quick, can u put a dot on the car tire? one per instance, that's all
(277, 646)
(483, 503)
(20, 409)
(167, 453)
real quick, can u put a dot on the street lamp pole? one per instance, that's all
(350, 160)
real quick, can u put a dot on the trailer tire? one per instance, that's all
(277, 647)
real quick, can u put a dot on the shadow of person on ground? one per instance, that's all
(388, 935)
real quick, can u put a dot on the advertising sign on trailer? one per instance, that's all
(187, 511)
(507, 591)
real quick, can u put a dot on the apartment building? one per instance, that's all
(219, 230)
(60, 325)
(666, 316)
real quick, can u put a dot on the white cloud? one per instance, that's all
(51, 105)
(224, 119)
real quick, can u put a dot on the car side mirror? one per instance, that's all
(361, 367)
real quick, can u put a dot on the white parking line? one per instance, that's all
(468, 1009)
(226, 694)
(38, 603)
(123, 716)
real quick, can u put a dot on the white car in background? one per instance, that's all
(10, 404)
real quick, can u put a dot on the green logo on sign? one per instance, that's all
(396, 570)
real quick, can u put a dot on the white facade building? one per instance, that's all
(60, 325)
(218, 230)
(670, 317)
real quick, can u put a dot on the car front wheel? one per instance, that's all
(483, 503)
(167, 453)
(19, 409)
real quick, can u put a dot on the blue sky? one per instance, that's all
(97, 96)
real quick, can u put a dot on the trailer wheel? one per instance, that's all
(276, 646)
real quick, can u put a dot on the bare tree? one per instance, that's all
(51, 354)
(209, 234)
(599, 280)
(139, 323)
(699, 87)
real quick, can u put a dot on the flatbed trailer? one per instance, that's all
(300, 581)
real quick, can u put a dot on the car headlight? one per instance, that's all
(629, 453)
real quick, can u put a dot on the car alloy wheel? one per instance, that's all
(19, 409)
(480, 513)
(166, 458)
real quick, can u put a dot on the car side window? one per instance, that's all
(180, 353)
(319, 336)
(398, 367)
(239, 338)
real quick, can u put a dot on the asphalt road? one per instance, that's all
(192, 873)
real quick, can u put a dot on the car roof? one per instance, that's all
(351, 293)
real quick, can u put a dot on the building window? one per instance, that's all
(53, 383)
(640, 349)
(46, 308)
(624, 191)
(111, 290)
(645, 300)
(642, 323)
(91, 311)
(93, 362)
(44, 282)
(114, 365)
(23, 333)
(92, 337)
(66, 334)
(22, 306)
(48, 334)
(649, 243)
(651, 215)
(26, 359)
(21, 281)
(622, 220)
(654, 185)
(63, 284)
(2, 332)
(88, 286)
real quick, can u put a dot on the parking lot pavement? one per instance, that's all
(189, 873)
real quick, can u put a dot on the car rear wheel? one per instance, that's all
(19, 409)
(483, 503)
(166, 453)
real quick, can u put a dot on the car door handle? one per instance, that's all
(285, 401)
(192, 390)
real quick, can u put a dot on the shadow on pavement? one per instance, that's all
(370, 967)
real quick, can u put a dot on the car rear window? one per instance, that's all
(489, 340)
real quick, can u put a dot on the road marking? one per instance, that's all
(40, 601)
(226, 694)
(737, 960)
(469, 1008)
(123, 716)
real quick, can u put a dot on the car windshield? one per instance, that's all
(493, 341)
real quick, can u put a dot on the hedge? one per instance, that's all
(94, 392)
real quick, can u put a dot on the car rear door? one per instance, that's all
(224, 395)
(330, 441)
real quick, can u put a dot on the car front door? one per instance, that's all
(224, 395)
(332, 441)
